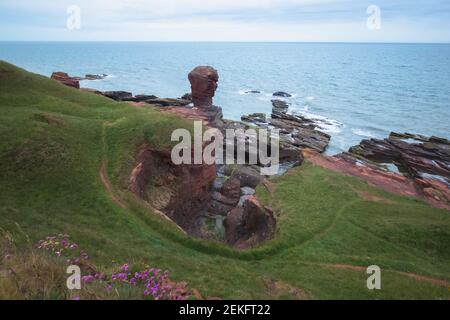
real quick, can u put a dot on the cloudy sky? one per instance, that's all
(226, 20)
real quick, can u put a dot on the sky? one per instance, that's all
(226, 20)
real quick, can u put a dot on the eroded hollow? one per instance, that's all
(180, 191)
(185, 194)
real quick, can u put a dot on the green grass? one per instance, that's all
(55, 138)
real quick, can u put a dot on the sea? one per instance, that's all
(355, 91)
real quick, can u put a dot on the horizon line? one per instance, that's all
(238, 41)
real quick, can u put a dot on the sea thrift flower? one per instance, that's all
(122, 276)
(87, 279)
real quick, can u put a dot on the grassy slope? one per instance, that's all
(55, 138)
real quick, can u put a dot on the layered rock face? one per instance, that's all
(425, 161)
(296, 131)
(65, 79)
(203, 81)
(180, 191)
(416, 156)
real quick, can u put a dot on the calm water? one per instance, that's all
(364, 90)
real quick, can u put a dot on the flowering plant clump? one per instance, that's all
(152, 282)
(62, 247)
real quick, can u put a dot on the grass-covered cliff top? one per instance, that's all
(55, 140)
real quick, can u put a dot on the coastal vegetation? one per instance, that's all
(65, 157)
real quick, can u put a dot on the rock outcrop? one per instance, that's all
(249, 225)
(65, 79)
(74, 82)
(422, 165)
(203, 81)
(415, 156)
(118, 95)
(279, 107)
(296, 131)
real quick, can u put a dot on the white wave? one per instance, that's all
(363, 133)
(310, 98)
(323, 123)
(332, 126)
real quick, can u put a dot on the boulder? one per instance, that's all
(203, 81)
(249, 225)
(232, 188)
(65, 79)
(247, 175)
(282, 94)
(279, 106)
(118, 95)
(254, 117)
(290, 154)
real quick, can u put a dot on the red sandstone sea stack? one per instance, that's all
(203, 81)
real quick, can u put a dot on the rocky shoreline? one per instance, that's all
(218, 201)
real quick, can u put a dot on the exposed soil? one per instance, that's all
(107, 185)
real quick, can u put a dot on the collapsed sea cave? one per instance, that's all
(202, 200)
